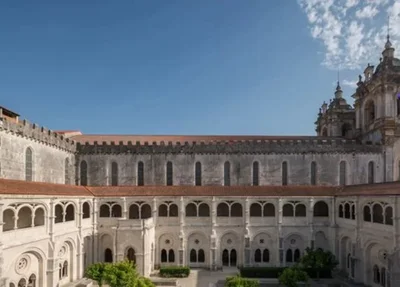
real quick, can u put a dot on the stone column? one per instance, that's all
(247, 235)
(332, 230)
(95, 257)
(280, 247)
(358, 259)
(155, 210)
(213, 237)
(310, 220)
(80, 248)
(181, 233)
(125, 214)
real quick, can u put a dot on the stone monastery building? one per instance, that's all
(68, 199)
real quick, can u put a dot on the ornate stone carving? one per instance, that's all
(22, 264)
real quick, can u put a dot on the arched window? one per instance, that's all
(83, 173)
(324, 132)
(164, 257)
(134, 211)
(114, 174)
(173, 210)
(85, 210)
(300, 210)
(223, 210)
(140, 174)
(58, 213)
(289, 255)
(66, 171)
(342, 173)
(347, 211)
(367, 213)
(313, 173)
(383, 276)
(193, 256)
(346, 130)
(191, 210)
(296, 256)
(288, 210)
(398, 169)
(265, 255)
(353, 211)
(255, 210)
(170, 174)
(321, 209)
(284, 173)
(39, 217)
(65, 269)
(198, 173)
(131, 255)
(398, 105)
(257, 256)
(108, 256)
(28, 164)
(24, 217)
(236, 210)
(376, 274)
(105, 210)
(369, 113)
(256, 172)
(201, 256)
(269, 210)
(204, 210)
(116, 210)
(145, 211)
(389, 215)
(341, 211)
(31, 281)
(377, 213)
(163, 210)
(227, 173)
(22, 283)
(8, 220)
(70, 213)
(171, 256)
(371, 169)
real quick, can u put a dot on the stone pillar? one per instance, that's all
(181, 233)
(95, 257)
(80, 247)
(125, 214)
(213, 237)
(115, 242)
(279, 236)
(52, 271)
(310, 220)
(247, 235)
(332, 230)
(358, 259)
(155, 210)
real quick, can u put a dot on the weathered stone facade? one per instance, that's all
(207, 201)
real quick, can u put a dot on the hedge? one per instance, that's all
(241, 282)
(274, 272)
(174, 271)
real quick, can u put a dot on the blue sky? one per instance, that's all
(182, 67)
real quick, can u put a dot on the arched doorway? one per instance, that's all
(131, 255)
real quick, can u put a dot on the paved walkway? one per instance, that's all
(204, 278)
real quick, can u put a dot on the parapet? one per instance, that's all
(285, 146)
(35, 132)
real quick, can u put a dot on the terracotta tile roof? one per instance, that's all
(213, 190)
(386, 188)
(20, 187)
(184, 138)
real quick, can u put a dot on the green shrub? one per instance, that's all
(261, 272)
(174, 271)
(291, 276)
(238, 281)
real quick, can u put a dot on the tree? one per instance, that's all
(291, 276)
(119, 274)
(318, 260)
(96, 272)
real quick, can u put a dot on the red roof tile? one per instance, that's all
(20, 187)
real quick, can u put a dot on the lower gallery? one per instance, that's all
(49, 238)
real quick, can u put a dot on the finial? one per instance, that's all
(388, 43)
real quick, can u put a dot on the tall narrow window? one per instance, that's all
(255, 173)
(284, 173)
(198, 173)
(170, 173)
(140, 173)
(398, 166)
(28, 164)
(371, 170)
(114, 174)
(66, 171)
(83, 173)
(398, 105)
(313, 173)
(342, 173)
(227, 173)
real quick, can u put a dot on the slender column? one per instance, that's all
(247, 235)
(2, 276)
(280, 249)
(125, 214)
(95, 257)
(213, 237)
(155, 210)
(181, 233)
(310, 220)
